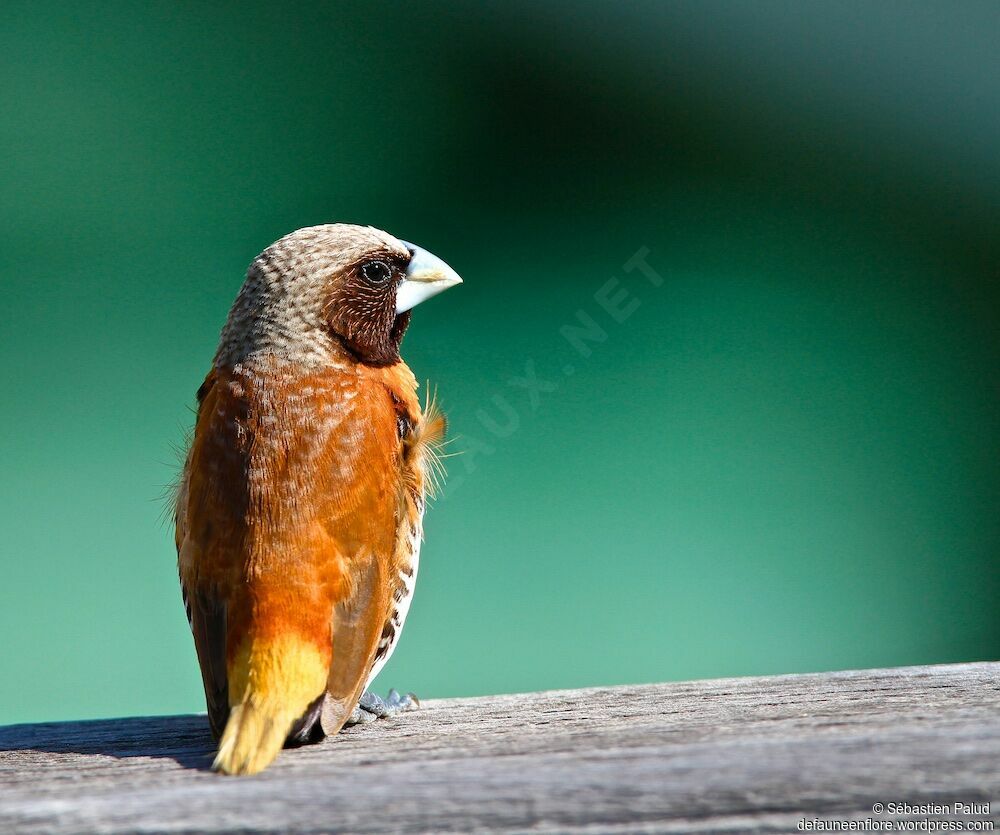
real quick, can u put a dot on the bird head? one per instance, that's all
(327, 287)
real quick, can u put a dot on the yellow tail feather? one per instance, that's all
(271, 684)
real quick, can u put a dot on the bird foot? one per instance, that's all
(371, 707)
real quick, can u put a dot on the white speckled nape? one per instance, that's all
(279, 309)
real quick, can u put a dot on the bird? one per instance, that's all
(299, 510)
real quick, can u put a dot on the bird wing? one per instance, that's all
(356, 624)
(367, 623)
(361, 519)
(206, 610)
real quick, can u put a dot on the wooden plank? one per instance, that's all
(750, 754)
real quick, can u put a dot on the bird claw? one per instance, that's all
(372, 707)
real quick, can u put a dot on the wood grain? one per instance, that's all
(749, 754)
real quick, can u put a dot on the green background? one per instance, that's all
(785, 459)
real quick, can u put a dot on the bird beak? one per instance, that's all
(426, 276)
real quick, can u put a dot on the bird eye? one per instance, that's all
(376, 272)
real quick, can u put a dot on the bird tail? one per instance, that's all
(272, 683)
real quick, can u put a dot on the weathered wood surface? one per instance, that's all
(752, 754)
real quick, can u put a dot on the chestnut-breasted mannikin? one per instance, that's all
(300, 510)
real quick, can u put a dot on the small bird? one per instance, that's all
(299, 515)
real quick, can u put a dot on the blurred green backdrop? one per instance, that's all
(784, 460)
